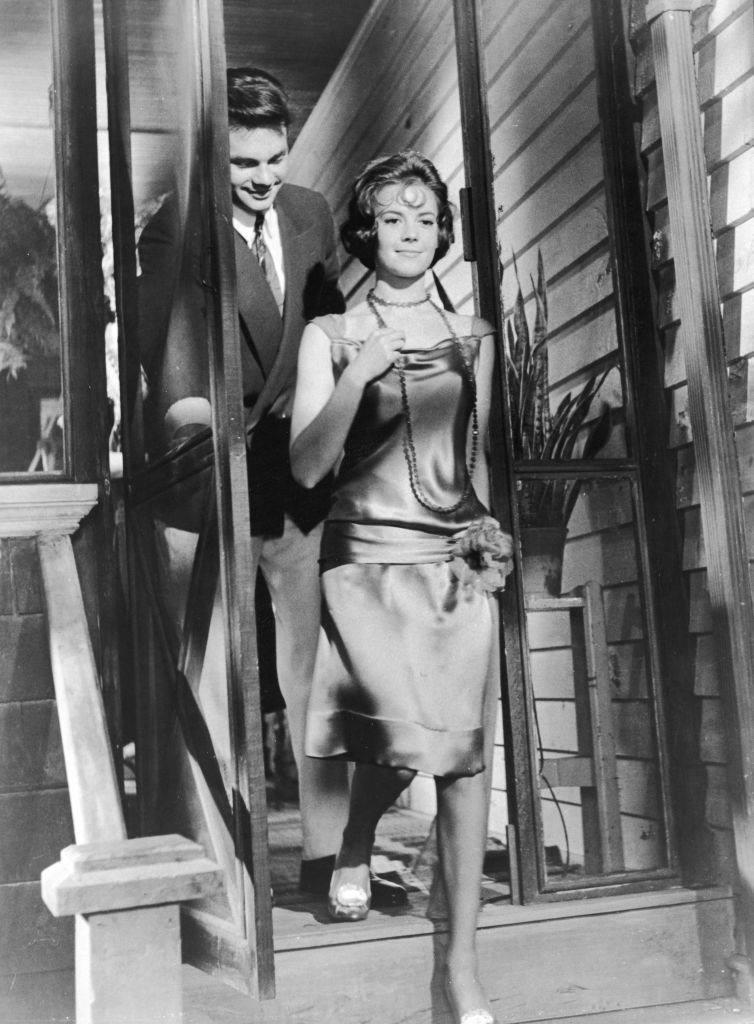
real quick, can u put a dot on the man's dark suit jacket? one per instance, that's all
(173, 312)
(269, 352)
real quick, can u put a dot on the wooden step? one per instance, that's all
(49, 999)
(540, 962)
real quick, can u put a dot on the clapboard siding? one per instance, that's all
(525, 224)
(35, 815)
(544, 149)
(518, 108)
(419, 115)
(724, 57)
(573, 297)
(395, 88)
(549, 196)
(610, 504)
(579, 231)
(726, 131)
(552, 671)
(341, 119)
(724, 44)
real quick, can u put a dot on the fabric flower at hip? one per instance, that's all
(482, 556)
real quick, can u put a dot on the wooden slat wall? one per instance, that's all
(724, 46)
(549, 188)
(396, 87)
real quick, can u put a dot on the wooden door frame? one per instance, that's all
(82, 328)
(237, 565)
(481, 245)
(227, 448)
(80, 282)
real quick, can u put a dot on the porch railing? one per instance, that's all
(125, 893)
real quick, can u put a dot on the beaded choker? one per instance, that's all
(409, 448)
(372, 297)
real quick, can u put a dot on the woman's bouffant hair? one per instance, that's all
(359, 232)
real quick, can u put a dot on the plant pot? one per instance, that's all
(542, 558)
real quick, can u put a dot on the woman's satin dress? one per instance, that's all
(404, 649)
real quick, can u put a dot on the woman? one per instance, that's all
(395, 395)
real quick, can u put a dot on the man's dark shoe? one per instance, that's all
(315, 878)
(386, 894)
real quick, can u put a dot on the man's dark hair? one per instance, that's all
(359, 233)
(256, 100)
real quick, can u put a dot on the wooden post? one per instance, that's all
(125, 897)
(594, 769)
(124, 892)
(602, 730)
(717, 467)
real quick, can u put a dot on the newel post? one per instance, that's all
(714, 442)
(125, 893)
(126, 897)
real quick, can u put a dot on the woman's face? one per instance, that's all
(407, 231)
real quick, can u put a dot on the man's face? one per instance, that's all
(258, 166)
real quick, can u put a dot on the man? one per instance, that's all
(287, 271)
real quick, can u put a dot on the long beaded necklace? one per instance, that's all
(409, 448)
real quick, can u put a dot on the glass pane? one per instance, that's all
(594, 724)
(185, 756)
(167, 193)
(31, 424)
(556, 273)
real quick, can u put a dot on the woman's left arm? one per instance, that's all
(485, 366)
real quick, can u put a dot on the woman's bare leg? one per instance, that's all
(461, 837)
(374, 789)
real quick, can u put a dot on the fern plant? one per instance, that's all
(538, 434)
(28, 284)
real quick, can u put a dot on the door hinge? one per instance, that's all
(467, 226)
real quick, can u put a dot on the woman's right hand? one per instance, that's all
(377, 355)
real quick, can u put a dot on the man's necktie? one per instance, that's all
(266, 262)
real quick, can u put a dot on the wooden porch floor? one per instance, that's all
(49, 999)
(404, 852)
(207, 1004)
(384, 961)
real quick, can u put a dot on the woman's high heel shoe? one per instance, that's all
(475, 1016)
(349, 901)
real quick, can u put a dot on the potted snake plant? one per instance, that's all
(539, 434)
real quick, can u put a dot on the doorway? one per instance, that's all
(579, 791)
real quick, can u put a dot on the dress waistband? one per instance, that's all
(345, 542)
